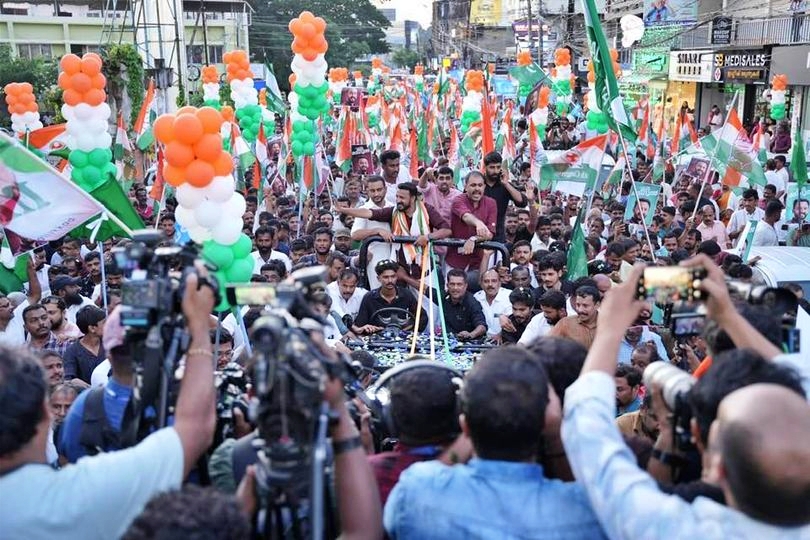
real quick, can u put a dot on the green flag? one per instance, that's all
(112, 196)
(274, 101)
(606, 86)
(577, 260)
(798, 163)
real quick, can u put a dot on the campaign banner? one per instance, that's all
(648, 196)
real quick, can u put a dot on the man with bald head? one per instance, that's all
(603, 283)
(757, 446)
(711, 228)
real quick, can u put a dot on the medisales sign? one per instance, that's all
(743, 66)
(694, 66)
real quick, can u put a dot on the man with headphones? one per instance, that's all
(421, 413)
(507, 406)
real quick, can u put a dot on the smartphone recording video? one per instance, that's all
(671, 284)
(688, 324)
(251, 294)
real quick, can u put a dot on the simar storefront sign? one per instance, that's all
(694, 66)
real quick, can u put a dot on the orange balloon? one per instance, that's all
(223, 166)
(173, 175)
(26, 88)
(187, 128)
(227, 57)
(208, 147)
(164, 128)
(63, 81)
(70, 63)
(295, 26)
(98, 81)
(32, 107)
(179, 155)
(210, 118)
(306, 16)
(80, 82)
(95, 96)
(199, 173)
(91, 66)
(320, 24)
(71, 97)
(188, 109)
(227, 113)
(93, 56)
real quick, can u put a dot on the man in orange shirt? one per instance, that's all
(582, 326)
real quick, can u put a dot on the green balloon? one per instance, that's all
(78, 159)
(217, 254)
(99, 156)
(242, 248)
(92, 177)
(239, 271)
(309, 149)
(222, 280)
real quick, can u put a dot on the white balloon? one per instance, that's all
(18, 127)
(220, 189)
(632, 29)
(563, 72)
(227, 231)
(189, 196)
(35, 126)
(235, 206)
(68, 112)
(199, 234)
(84, 111)
(103, 110)
(185, 217)
(29, 117)
(208, 214)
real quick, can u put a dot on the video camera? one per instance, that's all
(291, 366)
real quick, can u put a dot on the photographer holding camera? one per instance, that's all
(99, 496)
(765, 484)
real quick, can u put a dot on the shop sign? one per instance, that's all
(743, 66)
(694, 66)
(721, 30)
(653, 62)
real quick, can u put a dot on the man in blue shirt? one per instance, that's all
(116, 394)
(502, 493)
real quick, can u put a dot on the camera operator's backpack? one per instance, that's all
(97, 435)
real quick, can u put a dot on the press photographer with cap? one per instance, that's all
(765, 485)
(101, 495)
(68, 289)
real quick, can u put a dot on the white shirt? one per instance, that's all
(537, 328)
(378, 251)
(100, 374)
(778, 179)
(530, 266)
(274, 256)
(342, 306)
(230, 324)
(391, 192)
(70, 313)
(103, 493)
(765, 235)
(784, 178)
(500, 306)
(44, 281)
(741, 217)
(15, 331)
(538, 244)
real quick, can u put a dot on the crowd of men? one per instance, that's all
(553, 432)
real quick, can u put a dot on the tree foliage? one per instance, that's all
(405, 58)
(39, 72)
(123, 67)
(354, 28)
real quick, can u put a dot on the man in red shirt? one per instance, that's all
(474, 217)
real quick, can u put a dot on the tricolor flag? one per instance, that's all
(262, 159)
(122, 143)
(274, 101)
(537, 154)
(685, 134)
(505, 143)
(606, 87)
(146, 117)
(412, 154)
(617, 172)
(240, 149)
(759, 144)
(579, 164)
(733, 154)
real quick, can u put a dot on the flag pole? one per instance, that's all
(103, 276)
(714, 150)
(635, 192)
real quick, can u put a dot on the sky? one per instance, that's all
(412, 10)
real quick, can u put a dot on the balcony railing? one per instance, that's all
(751, 33)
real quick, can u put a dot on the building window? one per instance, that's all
(195, 54)
(32, 51)
(81, 50)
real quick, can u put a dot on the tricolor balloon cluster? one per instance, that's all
(778, 87)
(539, 115)
(22, 105)
(208, 208)
(524, 58)
(243, 93)
(373, 111)
(376, 75)
(310, 86)
(471, 104)
(210, 84)
(561, 77)
(87, 115)
(419, 77)
(338, 79)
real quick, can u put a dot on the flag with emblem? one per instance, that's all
(606, 87)
(733, 155)
(577, 259)
(579, 164)
(122, 143)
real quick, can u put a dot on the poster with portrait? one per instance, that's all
(361, 160)
(797, 202)
(351, 96)
(670, 12)
(698, 169)
(648, 196)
